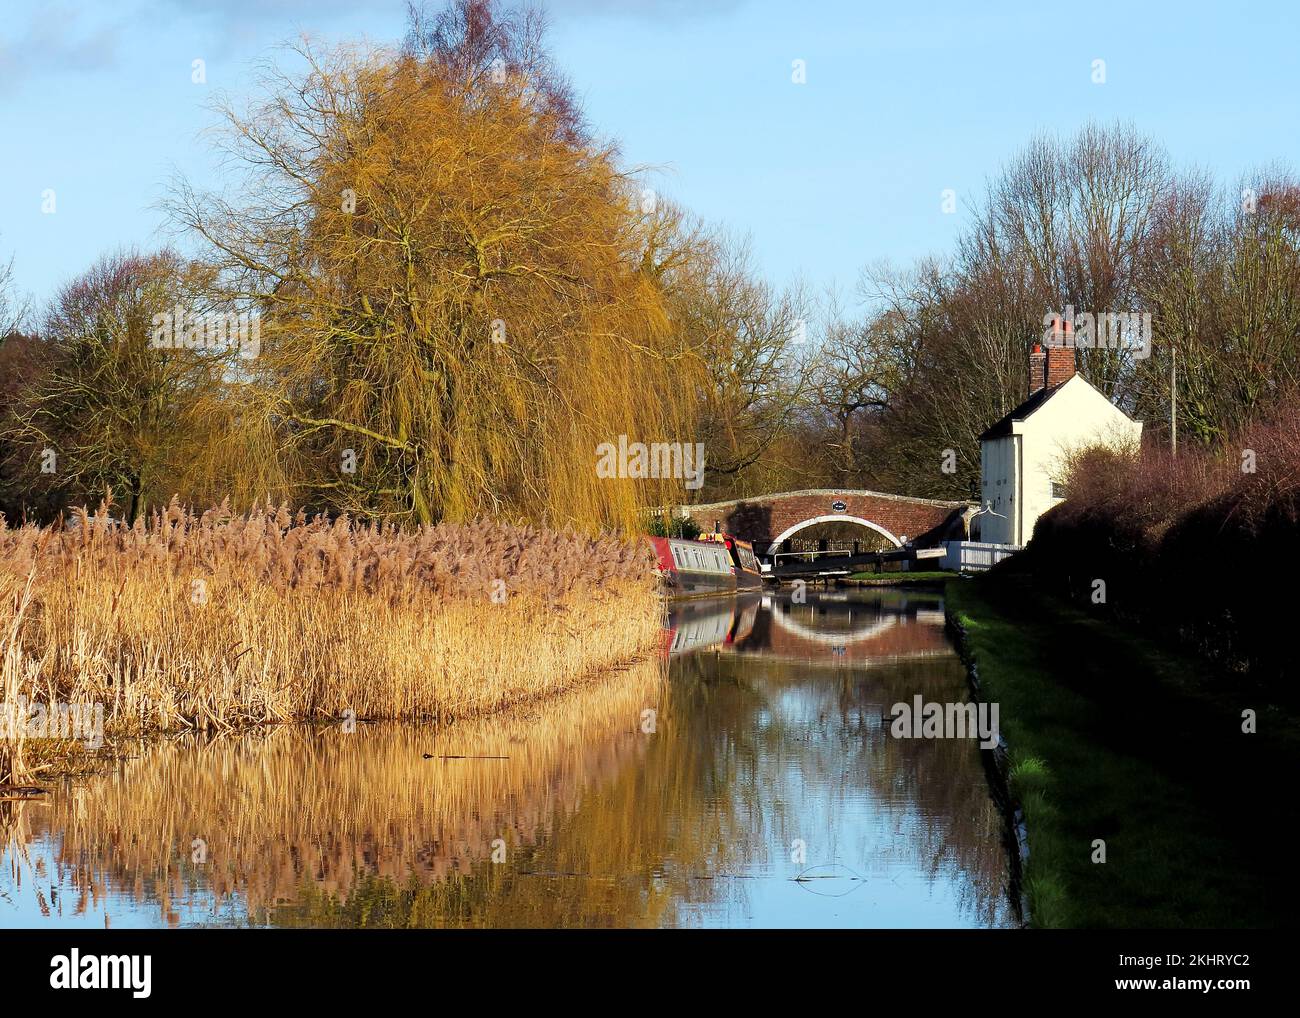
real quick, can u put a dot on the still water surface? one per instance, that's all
(748, 778)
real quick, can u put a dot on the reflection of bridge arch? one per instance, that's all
(768, 625)
(837, 638)
(836, 518)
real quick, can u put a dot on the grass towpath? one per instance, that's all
(899, 579)
(1113, 736)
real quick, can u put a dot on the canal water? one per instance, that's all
(746, 778)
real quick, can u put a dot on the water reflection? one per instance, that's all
(748, 778)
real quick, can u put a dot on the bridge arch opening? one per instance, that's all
(833, 518)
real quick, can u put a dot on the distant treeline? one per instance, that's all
(1099, 224)
(435, 292)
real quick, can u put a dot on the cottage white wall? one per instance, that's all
(997, 489)
(1076, 416)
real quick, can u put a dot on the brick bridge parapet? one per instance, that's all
(767, 519)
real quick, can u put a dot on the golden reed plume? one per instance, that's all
(218, 620)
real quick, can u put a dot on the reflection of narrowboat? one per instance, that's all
(746, 616)
(718, 622)
(695, 625)
(708, 566)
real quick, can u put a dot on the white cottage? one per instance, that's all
(1022, 455)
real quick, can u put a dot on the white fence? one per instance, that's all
(973, 556)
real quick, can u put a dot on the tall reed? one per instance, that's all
(218, 620)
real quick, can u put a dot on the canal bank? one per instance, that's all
(933, 579)
(1145, 804)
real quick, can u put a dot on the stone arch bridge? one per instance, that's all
(767, 520)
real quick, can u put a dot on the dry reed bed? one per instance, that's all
(223, 620)
(284, 807)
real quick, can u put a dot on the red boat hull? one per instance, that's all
(697, 568)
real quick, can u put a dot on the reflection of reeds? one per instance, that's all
(280, 807)
(14, 676)
(217, 620)
(606, 825)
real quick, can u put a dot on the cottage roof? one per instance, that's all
(1002, 428)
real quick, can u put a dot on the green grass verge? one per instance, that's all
(1113, 737)
(891, 579)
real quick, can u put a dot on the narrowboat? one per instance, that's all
(716, 564)
(748, 574)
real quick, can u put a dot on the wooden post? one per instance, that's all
(1173, 402)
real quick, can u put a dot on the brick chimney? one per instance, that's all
(1037, 368)
(1060, 364)
(1056, 364)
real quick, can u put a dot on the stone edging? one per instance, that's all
(997, 766)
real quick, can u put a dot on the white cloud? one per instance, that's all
(58, 40)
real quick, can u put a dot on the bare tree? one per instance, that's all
(751, 342)
(107, 410)
(13, 309)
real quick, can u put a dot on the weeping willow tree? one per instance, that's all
(455, 301)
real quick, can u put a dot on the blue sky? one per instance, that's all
(901, 102)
